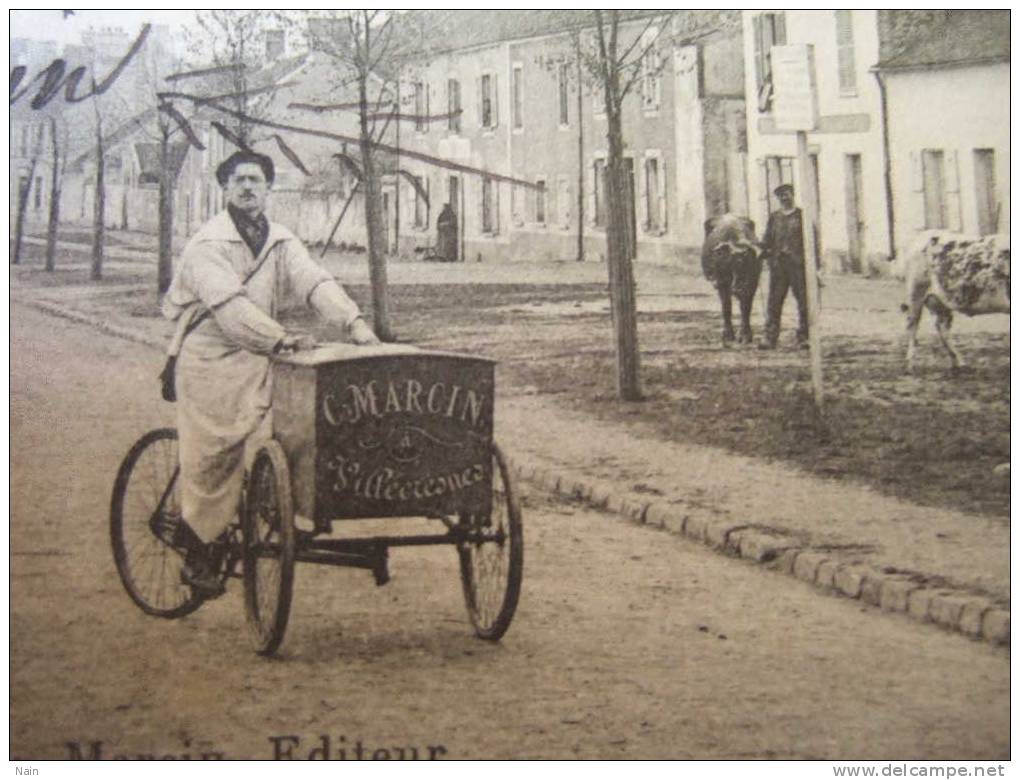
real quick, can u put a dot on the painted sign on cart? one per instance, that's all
(387, 435)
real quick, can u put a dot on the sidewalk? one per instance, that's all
(936, 565)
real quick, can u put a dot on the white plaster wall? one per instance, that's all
(956, 110)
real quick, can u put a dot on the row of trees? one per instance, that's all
(370, 49)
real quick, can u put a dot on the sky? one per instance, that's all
(50, 25)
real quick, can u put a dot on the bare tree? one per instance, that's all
(24, 190)
(99, 199)
(233, 42)
(370, 47)
(617, 66)
(58, 154)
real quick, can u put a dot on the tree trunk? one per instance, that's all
(52, 229)
(621, 268)
(373, 221)
(164, 264)
(580, 152)
(53, 223)
(19, 222)
(99, 207)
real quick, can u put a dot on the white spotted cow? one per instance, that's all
(731, 260)
(949, 272)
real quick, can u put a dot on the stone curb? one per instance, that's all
(955, 610)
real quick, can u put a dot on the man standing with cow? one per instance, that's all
(783, 246)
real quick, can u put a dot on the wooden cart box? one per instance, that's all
(385, 431)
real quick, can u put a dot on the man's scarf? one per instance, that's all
(254, 231)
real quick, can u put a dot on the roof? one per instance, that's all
(148, 159)
(450, 30)
(940, 38)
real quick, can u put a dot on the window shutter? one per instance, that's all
(917, 190)
(954, 218)
(495, 100)
(428, 113)
(480, 103)
(780, 30)
(592, 202)
(663, 210)
(759, 67)
(764, 204)
(566, 204)
(641, 185)
(495, 207)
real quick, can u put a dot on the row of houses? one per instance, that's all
(505, 126)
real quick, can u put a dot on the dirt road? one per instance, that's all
(628, 643)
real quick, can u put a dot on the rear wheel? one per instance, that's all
(145, 511)
(492, 557)
(269, 541)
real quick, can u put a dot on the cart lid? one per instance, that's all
(340, 352)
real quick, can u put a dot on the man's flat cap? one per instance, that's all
(228, 166)
(783, 188)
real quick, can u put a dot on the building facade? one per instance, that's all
(521, 108)
(947, 81)
(846, 150)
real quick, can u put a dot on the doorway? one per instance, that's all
(854, 220)
(453, 198)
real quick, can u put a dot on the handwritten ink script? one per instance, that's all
(53, 78)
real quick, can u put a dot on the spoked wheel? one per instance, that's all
(268, 530)
(492, 558)
(144, 512)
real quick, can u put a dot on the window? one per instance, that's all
(845, 52)
(769, 31)
(37, 200)
(516, 205)
(490, 206)
(540, 201)
(599, 194)
(655, 196)
(453, 105)
(564, 202)
(24, 140)
(488, 106)
(421, 107)
(778, 170)
(276, 44)
(651, 72)
(421, 203)
(933, 175)
(564, 93)
(984, 184)
(517, 90)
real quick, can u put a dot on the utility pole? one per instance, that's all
(795, 109)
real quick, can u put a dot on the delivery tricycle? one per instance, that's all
(357, 432)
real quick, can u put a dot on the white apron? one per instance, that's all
(223, 377)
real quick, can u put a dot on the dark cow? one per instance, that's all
(948, 272)
(731, 260)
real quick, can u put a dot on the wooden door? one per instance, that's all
(854, 213)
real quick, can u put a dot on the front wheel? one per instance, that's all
(492, 557)
(269, 542)
(144, 512)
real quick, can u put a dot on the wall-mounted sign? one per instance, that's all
(795, 105)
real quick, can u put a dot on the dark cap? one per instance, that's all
(228, 166)
(783, 188)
